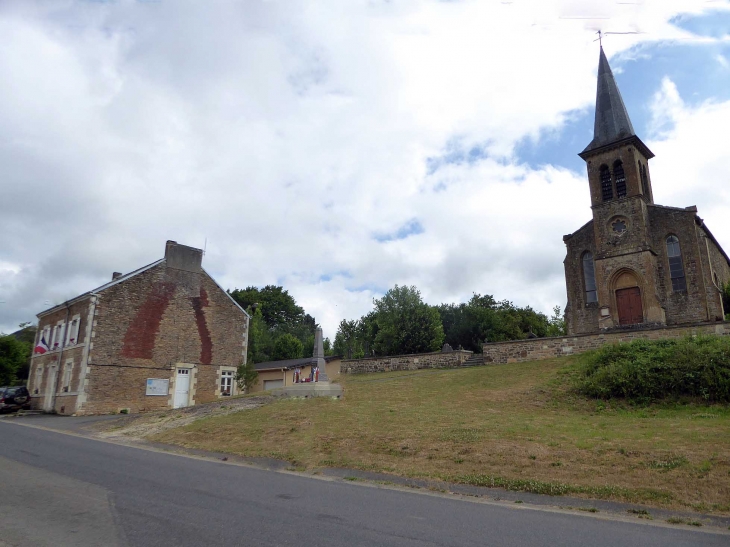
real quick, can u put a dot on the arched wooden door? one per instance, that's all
(628, 303)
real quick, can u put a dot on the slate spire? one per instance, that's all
(612, 121)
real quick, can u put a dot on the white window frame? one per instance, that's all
(67, 376)
(72, 332)
(58, 335)
(230, 376)
(46, 335)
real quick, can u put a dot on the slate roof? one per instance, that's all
(612, 124)
(612, 120)
(124, 278)
(292, 363)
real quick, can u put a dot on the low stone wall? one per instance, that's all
(517, 351)
(450, 359)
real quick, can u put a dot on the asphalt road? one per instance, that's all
(59, 490)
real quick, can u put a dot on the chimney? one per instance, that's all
(182, 257)
(116, 275)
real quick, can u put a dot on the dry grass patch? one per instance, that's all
(514, 426)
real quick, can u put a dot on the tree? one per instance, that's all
(556, 323)
(246, 375)
(327, 345)
(277, 306)
(275, 313)
(287, 346)
(260, 342)
(13, 355)
(26, 334)
(346, 339)
(406, 324)
(483, 319)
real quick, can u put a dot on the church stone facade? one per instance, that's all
(636, 264)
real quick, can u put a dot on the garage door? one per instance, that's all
(273, 384)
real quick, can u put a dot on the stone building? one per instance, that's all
(636, 264)
(166, 335)
(280, 374)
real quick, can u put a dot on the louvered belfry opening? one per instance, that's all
(606, 185)
(620, 178)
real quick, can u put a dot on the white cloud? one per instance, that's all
(288, 134)
(691, 166)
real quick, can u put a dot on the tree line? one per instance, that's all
(279, 328)
(15, 351)
(402, 323)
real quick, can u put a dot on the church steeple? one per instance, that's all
(616, 158)
(612, 123)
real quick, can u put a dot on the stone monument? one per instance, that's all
(318, 354)
(321, 388)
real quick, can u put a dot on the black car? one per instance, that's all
(14, 398)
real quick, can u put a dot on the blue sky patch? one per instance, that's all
(457, 152)
(410, 228)
(696, 69)
(715, 24)
(330, 275)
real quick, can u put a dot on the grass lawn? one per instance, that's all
(516, 426)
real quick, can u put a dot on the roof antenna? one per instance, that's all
(602, 34)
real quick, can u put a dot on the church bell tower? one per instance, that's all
(636, 265)
(616, 261)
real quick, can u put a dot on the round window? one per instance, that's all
(619, 226)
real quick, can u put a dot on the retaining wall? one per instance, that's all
(450, 359)
(517, 351)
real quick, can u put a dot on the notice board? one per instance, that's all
(157, 386)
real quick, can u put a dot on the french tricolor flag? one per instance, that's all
(42, 347)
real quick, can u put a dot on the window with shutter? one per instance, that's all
(606, 185)
(620, 178)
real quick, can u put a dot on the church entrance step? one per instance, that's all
(474, 361)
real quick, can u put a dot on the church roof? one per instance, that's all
(612, 122)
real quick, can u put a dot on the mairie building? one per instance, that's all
(163, 336)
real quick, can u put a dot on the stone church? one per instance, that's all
(636, 264)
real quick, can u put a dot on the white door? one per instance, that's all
(50, 388)
(182, 387)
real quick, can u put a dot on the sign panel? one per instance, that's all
(158, 386)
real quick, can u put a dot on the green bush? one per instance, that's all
(645, 371)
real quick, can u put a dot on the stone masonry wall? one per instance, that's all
(518, 351)
(48, 368)
(415, 361)
(580, 316)
(148, 325)
(682, 306)
(46, 377)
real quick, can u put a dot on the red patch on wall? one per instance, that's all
(139, 340)
(206, 344)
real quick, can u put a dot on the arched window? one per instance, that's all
(620, 178)
(589, 277)
(676, 269)
(606, 186)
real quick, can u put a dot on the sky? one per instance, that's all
(339, 148)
